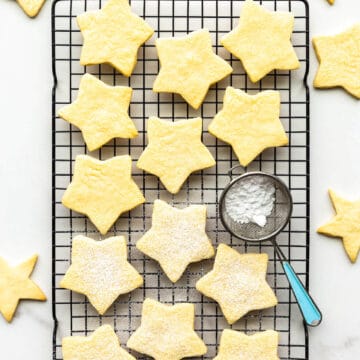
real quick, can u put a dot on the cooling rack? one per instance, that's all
(73, 315)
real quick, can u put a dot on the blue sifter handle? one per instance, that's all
(309, 310)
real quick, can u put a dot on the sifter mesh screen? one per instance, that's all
(275, 221)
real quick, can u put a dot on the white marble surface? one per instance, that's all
(25, 175)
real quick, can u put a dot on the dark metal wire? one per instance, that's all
(71, 312)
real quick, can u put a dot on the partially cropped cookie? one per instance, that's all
(339, 60)
(102, 344)
(238, 283)
(262, 40)
(167, 332)
(100, 112)
(249, 123)
(100, 270)
(177, 238)
(102, 190)
(189, 66)
(16, 285)
(235, 345)
(345, 224)
(31, 7)
(174, 151)
(113, 35)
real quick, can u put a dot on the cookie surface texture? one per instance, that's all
(249, 123)
(102, 190)
(189, 66)
(15, 284)
(238, 283)
(100, 270)
(235, 345)
(31, 7)
(345, 224)
(339, 61)
(174, 151)
(167, 332)
(177, 238)
(102, 344)
(113, 35)
(262, 41)
(100, 112)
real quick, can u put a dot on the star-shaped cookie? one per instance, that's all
(189, 66)
(262, 41)
(100, 270)
(174, 151)
(113, 35)
(177, 238)
(235, 345)
(345, 224)
(101, 112)
(167, 332)
(15, 285)
(339, 60)
(237, 282)
(31, 7)
(102, 344)
(102, 190)
(249, 123)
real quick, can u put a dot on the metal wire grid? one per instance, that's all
(73, 315)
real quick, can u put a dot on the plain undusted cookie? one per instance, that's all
(31, 7)
(15, 284)
(177, 238)
(262, 40)
(235, 345)
(339, 59)
(174, 151)
(102, 190)
(238, 283)
(249, 123)
(102, 344)
(345, 224)
(189, 66)
(100, 112)
(113, 35)
(167, 332)
(331, 2)
(100, 270)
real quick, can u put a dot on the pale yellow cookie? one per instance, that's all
(167, 332)
(339, 60)
(113, 35)
(31, 7)
(249, 123)
(102, 344)
(238, 283)
(189, 66)
(102, 190)
(15, 285)
(235, 345)
(174, 151)
(345, 224)
(100, 112)
(262, 40)
(100, 270)
(177, 238)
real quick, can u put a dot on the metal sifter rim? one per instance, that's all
(274, 178)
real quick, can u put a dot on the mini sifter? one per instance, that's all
(277, 220)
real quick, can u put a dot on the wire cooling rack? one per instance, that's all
(73, 315)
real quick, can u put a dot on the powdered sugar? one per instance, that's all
(251, 200)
